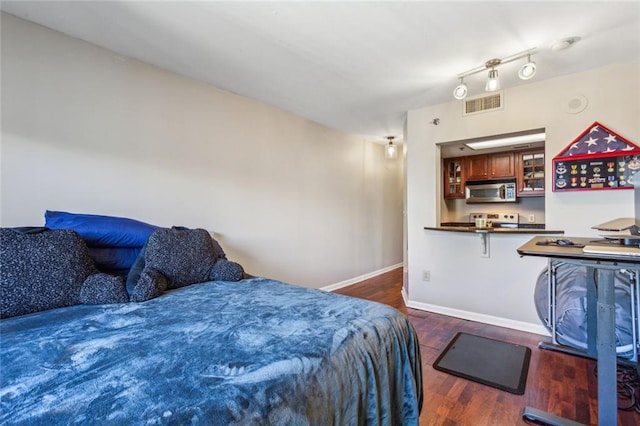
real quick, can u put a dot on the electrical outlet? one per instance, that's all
(426, 275)
(532, 218)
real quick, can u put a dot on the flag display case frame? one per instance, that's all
(598, 159)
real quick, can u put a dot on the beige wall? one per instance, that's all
(502, 286)
(87, 130)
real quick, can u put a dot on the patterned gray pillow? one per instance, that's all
(41, 271)
(151, 284)
(183, 256)
(103, 288)
(225, 270)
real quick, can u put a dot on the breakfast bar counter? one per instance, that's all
(493, 230)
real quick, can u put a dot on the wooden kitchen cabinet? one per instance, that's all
(477, 167)
(491, 166)
(531, 173)
(502, 165)
(454, 177)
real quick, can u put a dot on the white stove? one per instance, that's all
(497, 220)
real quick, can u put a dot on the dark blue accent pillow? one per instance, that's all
(134, 273)
(29, 229)
(102, 231)
(114, 258)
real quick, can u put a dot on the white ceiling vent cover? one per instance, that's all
(480, 104)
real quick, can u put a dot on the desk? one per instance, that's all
(604, 266)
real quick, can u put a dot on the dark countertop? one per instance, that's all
(531, 248)
(472, 224)
(468, 227)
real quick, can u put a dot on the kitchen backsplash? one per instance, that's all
(459, 210)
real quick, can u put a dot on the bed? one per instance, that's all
(256, 351)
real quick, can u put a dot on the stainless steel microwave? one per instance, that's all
(495, 192)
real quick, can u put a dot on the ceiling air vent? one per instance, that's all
(482, 104)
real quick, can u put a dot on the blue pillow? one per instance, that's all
(114, 258)
(134, 272)
(102, 231)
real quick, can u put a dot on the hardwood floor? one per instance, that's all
(562, 384)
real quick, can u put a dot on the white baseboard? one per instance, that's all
(471, 316)
(474, 316)
(351, 281)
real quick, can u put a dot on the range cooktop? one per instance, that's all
(497, 220)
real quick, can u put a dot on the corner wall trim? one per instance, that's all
(332, 287)
(477, 317)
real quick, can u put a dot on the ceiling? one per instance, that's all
(353, 66)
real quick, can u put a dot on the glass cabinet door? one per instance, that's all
(531, 174)
(453, 178)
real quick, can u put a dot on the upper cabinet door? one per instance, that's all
(491, 166)
(502, 165)
(477, 167)
(453, 177)
(531, 174)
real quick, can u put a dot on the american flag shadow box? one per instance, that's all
(597, 159)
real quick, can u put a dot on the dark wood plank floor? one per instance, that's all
(562, 384)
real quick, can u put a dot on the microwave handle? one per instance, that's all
(503, 190)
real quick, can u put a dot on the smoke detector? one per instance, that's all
(564, 43)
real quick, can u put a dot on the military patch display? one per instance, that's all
(597, 159)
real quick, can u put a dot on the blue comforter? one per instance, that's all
(253, 352)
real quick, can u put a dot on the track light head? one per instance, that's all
(460, 92)
(528, 70)
(493, 83)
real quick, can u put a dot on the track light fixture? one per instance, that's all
(526, 72)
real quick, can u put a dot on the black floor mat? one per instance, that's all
(491, 362)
